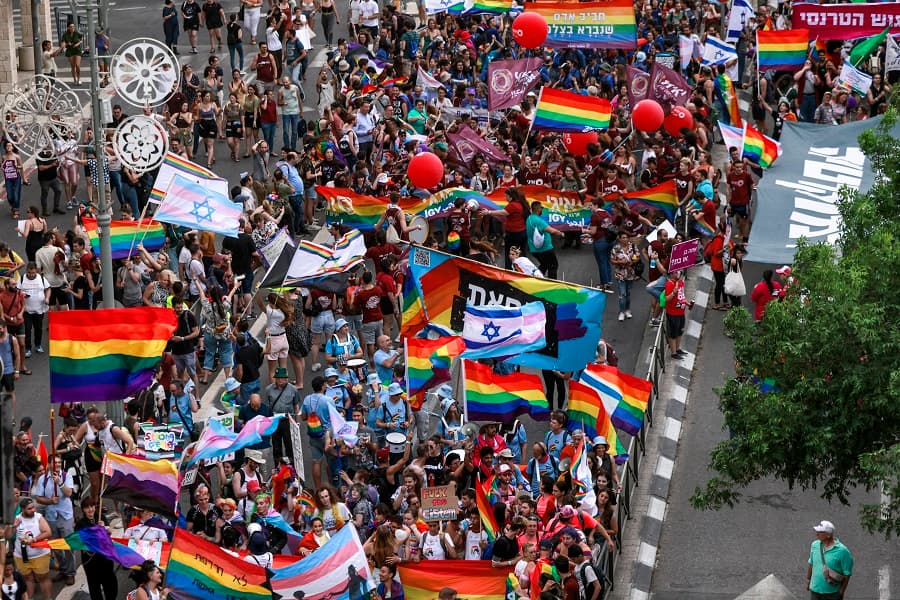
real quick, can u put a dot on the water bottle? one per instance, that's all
(652, 262)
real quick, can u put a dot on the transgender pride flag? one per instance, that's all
(491, 331)
(217, 441)
(190, 204)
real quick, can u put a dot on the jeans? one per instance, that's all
(601, 255)
(54, 185)
(34, 322)
(60, 528)
(289, 125)
(298, 72)
(239, 50)
(299, 224)
(130, 196)
(268, 132)
(247, 390)
(14, 192)
(214, 346)
(115, 182)
(808, 108)
(624, 287)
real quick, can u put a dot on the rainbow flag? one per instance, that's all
(95, 539)
(662, 197)
(784, 50)
(106, 355)
(493, 7)
(564, 209)
(148, 484)
(413, 318)
(587, 412)
(541, 568)
(199, 570)
(760, 149)
(501, 398)
(725, 91)
(558, 110)
(473, 579)
(428, 361)
(359, 211)
(125, 235)
(172, 165)
(574, 313)
(703, 228)
(486, 511)
(608, 24)
(624, 396)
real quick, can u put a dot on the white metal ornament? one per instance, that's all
(145, 72)
(140, 143)
(38, 111)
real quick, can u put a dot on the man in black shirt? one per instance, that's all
(214, 17)
(242, 251)
(190, 15)
(48, 178)
(183, 342)
(247, 360)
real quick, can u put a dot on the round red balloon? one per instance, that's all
(647, 115)
(680, 118)
(577, 143)
(530, 30)
(425, 170)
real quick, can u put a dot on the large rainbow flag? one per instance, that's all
(587, 412)
(428, 361)
(563, 209)
(176, 165)
(784, 49)
(413, 318)
(624, 396)
(473, 579)
(106, 355)
(359, 211)
(125, 235)
(501, 398)
(662, 197)
(199, 570)
(148, 484)
(759, 148)
(492, 7)
(574, 313)
(609, 24)
(558, 110)
(486, 510)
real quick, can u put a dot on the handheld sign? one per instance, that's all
(684, 255)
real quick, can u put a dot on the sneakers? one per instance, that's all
(654, 322)
(681, 352)
(28, 354)
(628, 314)
(314, 227)
(194, 50)
(621, 316)
(316, 367)
(39, 349)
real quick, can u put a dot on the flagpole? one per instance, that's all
(462, 377)
(139, 222)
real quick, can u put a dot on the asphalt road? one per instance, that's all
(719, 555)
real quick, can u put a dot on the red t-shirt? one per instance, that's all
(740, 186)
(602, 221)
(325, 299)
(630, 223)
(539, 177)
(716, 246)
(675, 307)
(606, 187)
(386, 282)
(662, 258)
(369, 302)
(458, 221)
(377, 253)
(515, 218)
(709, 213)
(762, 296)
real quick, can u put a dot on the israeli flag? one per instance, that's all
(717, 52)
(741, 13)
(492, 331)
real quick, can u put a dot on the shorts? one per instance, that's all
(17, 330)
(278, 346)
(36, 566)
(8, 382)
(250, 121)
(371, 331)
(317, 448)
(69, 174)
(355, 322)
(234, 130)
(186, 362)
(655, 288)
(207, 129)
(674, 326)
(322, 323)
(58, 296)
(247, 283)
(192, 24)
(739, 210)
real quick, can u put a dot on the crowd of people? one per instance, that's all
(372, 114)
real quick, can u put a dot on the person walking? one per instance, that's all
(213, 15)
(190, 15)
(37, 303)
(234, 37)
(13, 177)
(830, 565)
(170, 25)
(540, 242)
(48, 179)
(624, 256)
(54, 490)
(282, 398)
(291, 106)
(72, 40)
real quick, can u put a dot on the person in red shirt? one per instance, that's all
(764, 292)
(611, 184)
(382, 249)
(390, 302)
(740, 186)
(715, 251)
(676, 303)
(458, 221)
(603, 238)
(534, 173)
(515, 213)
(628, 220)
(368, 299)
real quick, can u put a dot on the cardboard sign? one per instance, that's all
(439, 503)
(684, 255)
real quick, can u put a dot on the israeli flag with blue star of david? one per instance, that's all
(492, 331)
(205, 208)
(717, 52)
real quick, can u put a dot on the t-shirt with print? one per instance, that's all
(368, 300)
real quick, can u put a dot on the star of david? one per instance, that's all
(202, 210)
(719, 54)
(491, 331)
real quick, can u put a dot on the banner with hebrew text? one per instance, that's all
(845, 21)
(588, 24)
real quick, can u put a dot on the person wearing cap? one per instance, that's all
(283, 398)
(182, 406)
(53, 490)
(451, 420)
(395, 416)
(785, 275)
(342, 345)
(255, 407)
(508, 459)
(586, 528)
(830, 565)
(248, 476)
(376, 395)
(230, 398)
(314, 412)
(336, 389)
(505, 487)
(600, 447)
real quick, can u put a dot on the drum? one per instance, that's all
(417, 236)
(360, 367)
(396, 443)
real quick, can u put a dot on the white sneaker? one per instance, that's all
(628, 314)
(317, 367)
(621, 316)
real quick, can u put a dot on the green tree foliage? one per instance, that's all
(832, 348)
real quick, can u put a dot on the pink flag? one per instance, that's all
(668, 87)
(638, 85)
(510, 80)
(469, 144)
(426, 79)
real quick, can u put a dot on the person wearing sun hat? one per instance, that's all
(336, 389)
(830, 565)
(395, 415)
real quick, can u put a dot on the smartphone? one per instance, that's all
(240, 277)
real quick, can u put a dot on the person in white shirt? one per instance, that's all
(30, 527)
(54, 490)
(37, 302)
(369, 17)
(144, 532)
(436, 544)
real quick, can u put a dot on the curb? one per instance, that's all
(670, 433)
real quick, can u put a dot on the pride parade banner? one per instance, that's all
(588, 24)
(845, 21)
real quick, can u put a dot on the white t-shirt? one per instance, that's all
(263, 560)
(34, 293)
(23, 528)
(146, 533)
(432, 548)
(473, 544)
(369, 13)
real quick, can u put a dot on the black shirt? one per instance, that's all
(213, 14)
(190, 11)
(242, 249)
(47, 174)
(250, 359)
(186, 324)
(506, 548)
(205, 523)
(434, 470)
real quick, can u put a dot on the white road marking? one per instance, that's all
(884, 583)
(647, 554)
(664, 467)
(673, 429)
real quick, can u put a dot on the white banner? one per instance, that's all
(854, 79)
(892, 57)
(271, 251)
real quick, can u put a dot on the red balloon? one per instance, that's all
(530, 30)
(647, 115)
(680, 118)
(577, 143)
(425, 170)
(641, 42)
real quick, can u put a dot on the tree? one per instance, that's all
(831, 349)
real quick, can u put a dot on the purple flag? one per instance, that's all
(638, 85)
(468, 144)
(668, 87)
(510, 80)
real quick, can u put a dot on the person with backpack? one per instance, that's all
(396, 415)
(558, 436)
(51, 260)
(590, 586)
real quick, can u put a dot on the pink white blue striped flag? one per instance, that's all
(491, 331)
(217, 441)
(190, 204)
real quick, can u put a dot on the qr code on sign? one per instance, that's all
(422, 257)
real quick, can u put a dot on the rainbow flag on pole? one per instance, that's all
(490, 396)
(428, 361)
(663, 197)
(558, 110)
(475, 579)
(106, 355)
(786, 49)
(587, 412)
(624, 396)
(125, 235)
(486, 511)
(172, 165)
(760, 149)
(493, 7)
(199, 570)
(725, 92)
(413, 318)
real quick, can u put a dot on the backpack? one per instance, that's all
(146, 399)
(583, 580)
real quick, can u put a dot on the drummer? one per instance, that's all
(342, 346)
(376, 395)
(337, 390)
